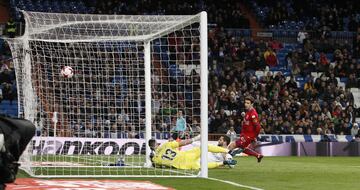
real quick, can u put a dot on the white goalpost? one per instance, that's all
(132, 76)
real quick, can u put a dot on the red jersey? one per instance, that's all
(251, 126)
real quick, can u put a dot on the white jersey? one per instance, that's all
(215, 157)
(212, 157)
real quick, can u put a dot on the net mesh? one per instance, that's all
(93, 124)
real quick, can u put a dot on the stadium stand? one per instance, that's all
(310, 14)
(298, 87)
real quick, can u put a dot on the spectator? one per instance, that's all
(302, 35)
(299, 131)
(270, 58)
(232, 134)
(325, 138)
(295, 70)
(354, 129)
(4, 67)
(323, 62)
(319, 131)
(195, 127)
(309, 88)
(357, 138)
(275, 45)
(352, 82)
(291, 84)
(180, 126)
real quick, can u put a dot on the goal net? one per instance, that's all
(134, 76)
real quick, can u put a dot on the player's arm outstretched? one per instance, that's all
(189, 141)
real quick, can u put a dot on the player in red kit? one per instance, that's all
(250, 130)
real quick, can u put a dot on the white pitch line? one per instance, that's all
(235, 184)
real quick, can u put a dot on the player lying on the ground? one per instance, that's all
(223, 142)
(168, 155)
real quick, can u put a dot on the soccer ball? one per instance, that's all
(67, 72)
(228, 157)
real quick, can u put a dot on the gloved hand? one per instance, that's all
(197, 138)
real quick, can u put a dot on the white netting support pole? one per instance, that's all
(29, 102)
(147, 63)
(18, 56)
(30, 99)
(55, 120)
(204, 93)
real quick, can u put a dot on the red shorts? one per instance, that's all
(243, 141)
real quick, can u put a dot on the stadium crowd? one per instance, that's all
(318, 105)
(309, 14)
(7, 75)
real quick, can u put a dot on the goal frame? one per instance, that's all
(26, 67)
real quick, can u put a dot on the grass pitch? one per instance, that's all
(274, 173)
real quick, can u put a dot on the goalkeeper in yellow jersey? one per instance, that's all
(168, 155)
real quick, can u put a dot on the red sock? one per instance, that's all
(251, 152)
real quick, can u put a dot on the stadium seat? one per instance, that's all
(300, 79)
(247, 32)
(9, 108)
(293, 33)
(344, 79)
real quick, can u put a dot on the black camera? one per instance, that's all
(15, 134)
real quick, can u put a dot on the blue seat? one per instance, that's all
(288, 46)
(287, 73)
(174, 71)
(292, 25)
(277, 33)
(164, 48)
(301, 85)
(188, 96)
(107, 134)
(247, 32)
(293, 33)
(122, 135)
(5, 102)
(330, 56)
(301, 24)
(164, 56)
(282, 62)
(343, 79)
(276, 68)
(157, 135)
(156, 48)
(165, 135)
(300, 79)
